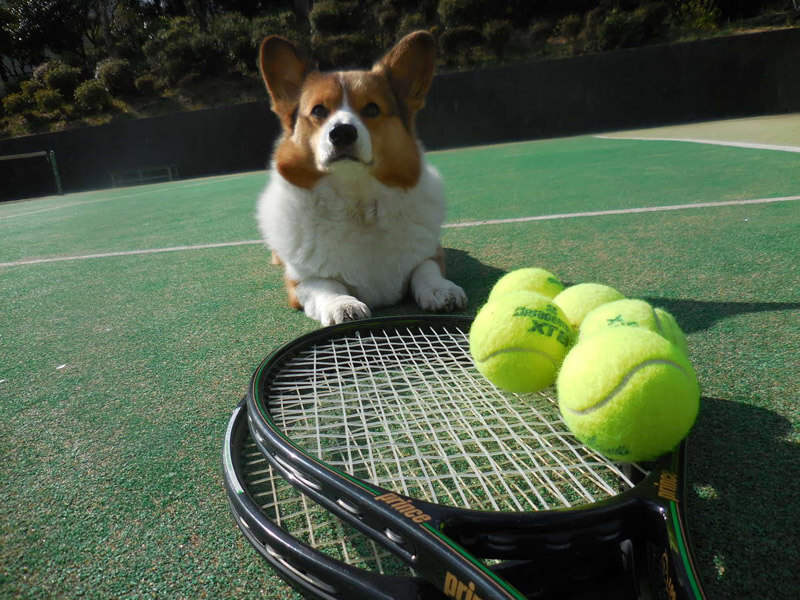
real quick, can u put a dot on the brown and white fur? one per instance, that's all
(352, 211)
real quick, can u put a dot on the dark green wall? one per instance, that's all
(656, 85)
(652, 86)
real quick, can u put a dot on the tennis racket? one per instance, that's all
(386, 424)
(327, 559)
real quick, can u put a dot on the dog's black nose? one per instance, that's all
(343, 135)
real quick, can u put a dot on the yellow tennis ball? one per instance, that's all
(576, 301)
(633, 313)
(518, 341)
(532, 279)
(628, 393)
(672, 331)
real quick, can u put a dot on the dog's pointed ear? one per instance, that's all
(409, 67)
(284, 68)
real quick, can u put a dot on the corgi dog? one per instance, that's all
(352, 211)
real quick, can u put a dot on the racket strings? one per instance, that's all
(407, 410)
(308, 522)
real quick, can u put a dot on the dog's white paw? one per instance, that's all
(343, 309)
(442, 296)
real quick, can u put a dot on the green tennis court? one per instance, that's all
(133, 318)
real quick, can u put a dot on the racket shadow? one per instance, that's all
(743, 461)
(699, 315)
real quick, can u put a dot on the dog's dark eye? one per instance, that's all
(371, 110)
(319, 111)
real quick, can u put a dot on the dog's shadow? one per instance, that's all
(475, 277)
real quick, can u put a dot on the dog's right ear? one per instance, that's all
(284, 68)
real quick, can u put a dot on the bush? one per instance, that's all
(699, 14)
(30, 87)
(146, 84)
(182, 51)
(497, 35)
(538, 34)
(653, 17)
(48, 100)
(409, 23)
(133, 24)
(620, 29)
(232, 33)
(385, 17)
(463, 13)
(16, 104)
(615, 28)
(40, 70)
(352, 49)
(13, 86)
(284, 24)
(570, 26)
(459, 44)
(91, 96)
(331, 17)
(115, 75)
(62, 78)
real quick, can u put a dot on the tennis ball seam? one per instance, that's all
(621, 385)
(659, 325)
(510, 350)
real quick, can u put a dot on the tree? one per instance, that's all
(18, 48)
(33, 26)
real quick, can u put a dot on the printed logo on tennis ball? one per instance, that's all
(518, 341)
(620, 320)
(628, 393)
(633, 313)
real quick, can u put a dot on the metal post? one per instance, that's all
(57, 176)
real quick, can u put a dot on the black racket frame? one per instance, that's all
(321, 577)
(644, 526)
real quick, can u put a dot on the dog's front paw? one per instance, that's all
(442, 296)
(343, 309)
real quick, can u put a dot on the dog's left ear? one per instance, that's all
(409, 68)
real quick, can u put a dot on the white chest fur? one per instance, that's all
(353, 229)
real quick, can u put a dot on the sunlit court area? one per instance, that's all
(147, 337)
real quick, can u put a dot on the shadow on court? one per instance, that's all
(741, 456)
(475, 277)
(698, 315)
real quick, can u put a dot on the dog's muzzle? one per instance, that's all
(345, 139)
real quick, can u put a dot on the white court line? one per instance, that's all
(207, 181)
(750, 145)
(37, 261)
(599, 213)
(622, 211)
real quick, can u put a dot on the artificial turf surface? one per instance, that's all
(118, 374)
